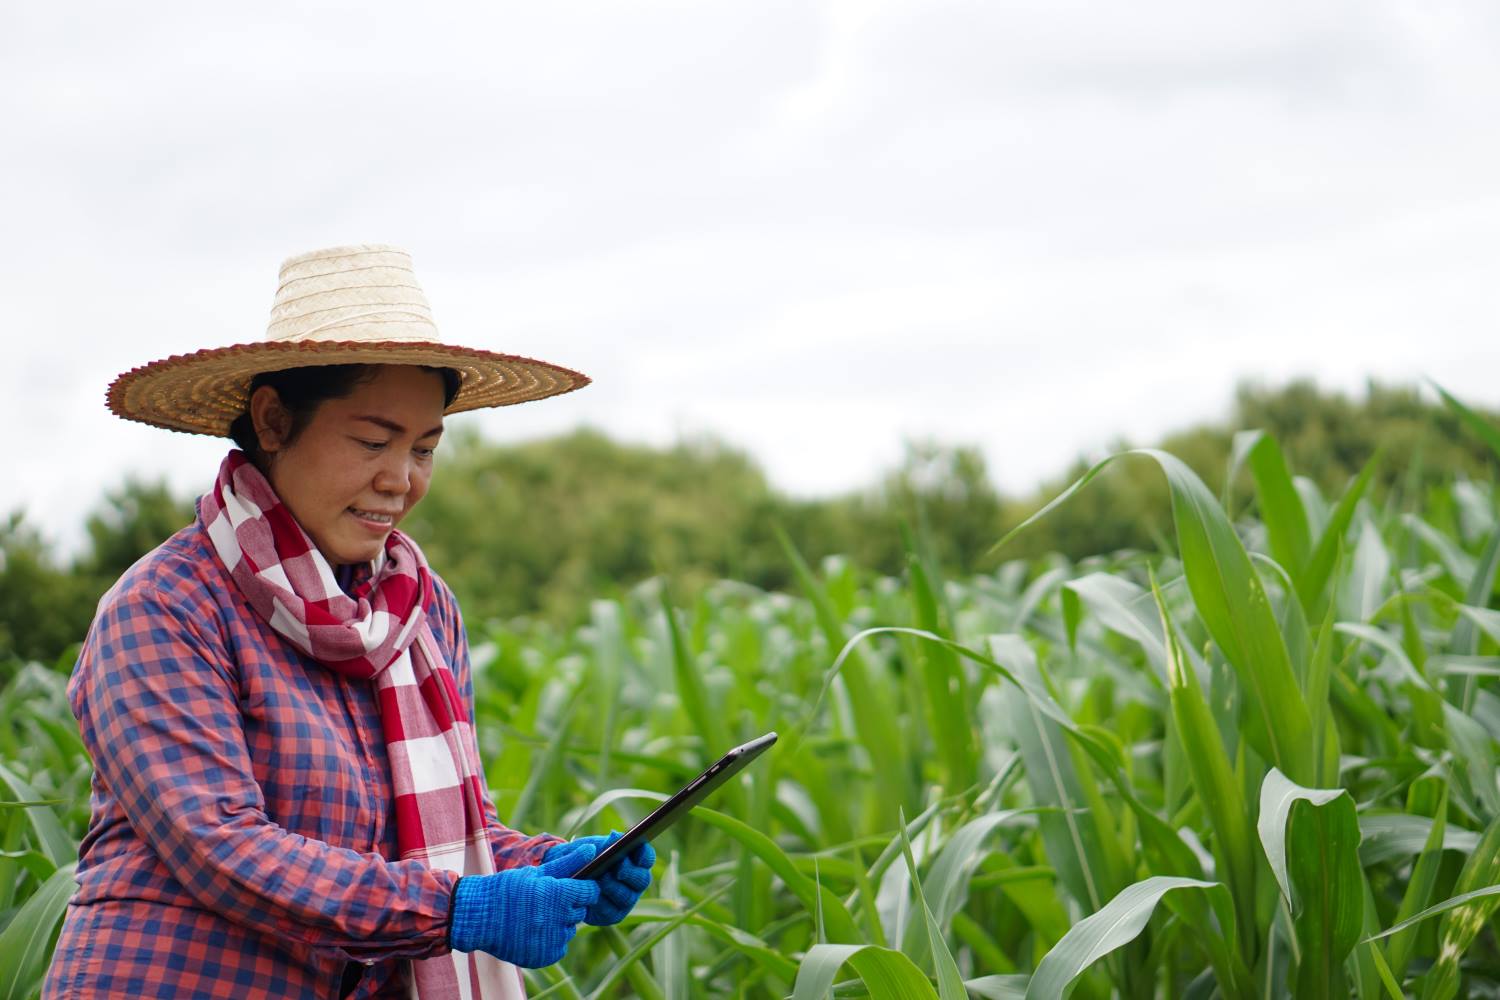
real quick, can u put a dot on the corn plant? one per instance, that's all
(44, 776)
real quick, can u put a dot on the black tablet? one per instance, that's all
(678, 805)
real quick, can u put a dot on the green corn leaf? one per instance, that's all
(1479, 896)
(1313, 580)
(1392, 836)
(1365, 586)
(696, 704)
(1463, 923)
(1232, 603)
(1164, 845)
(887, 974)
(875, 720)
(24, 944)
(742, 942)
(1116, 924)
(950, 982)
(1319, 704)
(840, 925)
(631, 962)
(1281, 508)
(1477, 595)
(948, 880)
(45, 829)
(1472, 748)
(1036, 592)
(1007, 987)
(1079, 842)
(1213, 777)
(1419, 888)
(1123, 607)
(1456, 562)
(1481, 427)
(943, 685)
(1311, 839)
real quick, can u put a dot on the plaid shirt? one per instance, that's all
(242, 810)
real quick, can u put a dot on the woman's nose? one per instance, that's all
(394, 475)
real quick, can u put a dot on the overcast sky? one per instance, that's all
(813, 229)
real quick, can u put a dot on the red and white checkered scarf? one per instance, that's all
(378, 632)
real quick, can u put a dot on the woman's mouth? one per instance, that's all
(373, 519)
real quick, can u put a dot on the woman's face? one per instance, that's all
(361, 462)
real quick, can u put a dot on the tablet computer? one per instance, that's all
(678, 805)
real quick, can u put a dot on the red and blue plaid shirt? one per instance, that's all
(242, 812)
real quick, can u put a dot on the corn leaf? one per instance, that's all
(1311, 839)
(887, 974)
(1116, 924)
(950, 982)
(1482, 428)
(1213, 777)
(46, 830)
(1232, 603)
(24, 950)
(1313, 580)
(1462, 924)
(1281, 508)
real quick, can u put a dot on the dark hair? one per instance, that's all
(303, 390)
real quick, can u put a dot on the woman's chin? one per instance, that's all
(345, 551)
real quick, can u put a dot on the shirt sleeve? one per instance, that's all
(512, 849)
(156, 698)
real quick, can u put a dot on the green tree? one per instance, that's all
(44, 607)
(128, 523)
(543, 526)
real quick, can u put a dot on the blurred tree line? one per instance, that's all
(540, 528)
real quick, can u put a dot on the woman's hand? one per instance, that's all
(525, 916)
(620, 888)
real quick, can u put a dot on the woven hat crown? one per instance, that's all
(342, 305)
(367, 292)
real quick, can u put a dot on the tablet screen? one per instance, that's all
(678, 805)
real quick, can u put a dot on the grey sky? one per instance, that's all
(812, 229)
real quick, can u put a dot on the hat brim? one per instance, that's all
(203, 392)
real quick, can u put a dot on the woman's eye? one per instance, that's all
(371, 445)
(424, 452)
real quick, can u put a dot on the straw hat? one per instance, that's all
(343, 305)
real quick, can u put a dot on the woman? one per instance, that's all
(288, 800)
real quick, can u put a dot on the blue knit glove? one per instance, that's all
(524, 916)
(620, 888)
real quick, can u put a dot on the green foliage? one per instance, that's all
(1328, 437)
(128, 523)
(543, 528)
(45, 607)
(1260, 764)
(538, 527)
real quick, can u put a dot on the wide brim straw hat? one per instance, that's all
(339, 306)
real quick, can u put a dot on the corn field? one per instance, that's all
(1260, 763)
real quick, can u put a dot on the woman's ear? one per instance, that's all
(272, 420)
